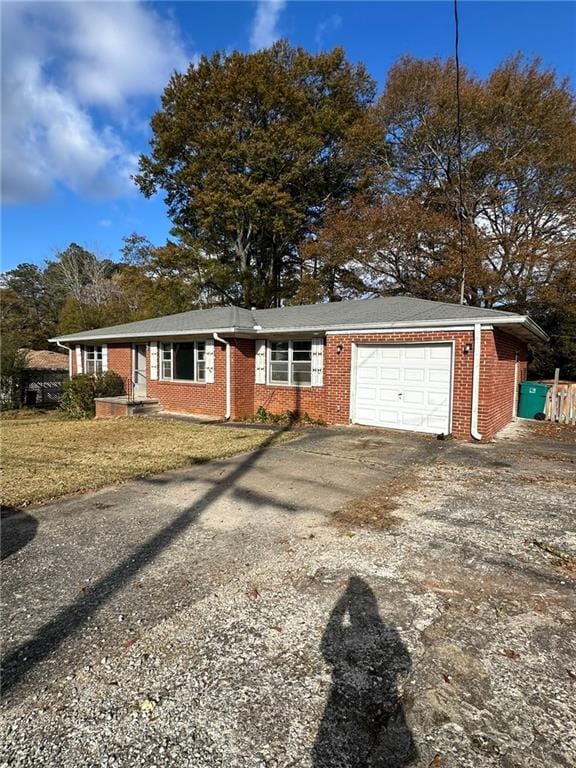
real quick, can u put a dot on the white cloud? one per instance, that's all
(264, 30)
(72, 73)
(325, 27)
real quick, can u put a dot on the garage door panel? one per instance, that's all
(439, 376)
(414, 353)
(439, 352)
(438, 398)
(404, 386)
(389, 415)
(388, 395)
(436, 423)
(411, 419)
(389, 374)
(367, 394)
(367, 415)
(368, 373)
(389, 353)
(415, 375)
(414, 397)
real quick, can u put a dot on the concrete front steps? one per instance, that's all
(109, 407)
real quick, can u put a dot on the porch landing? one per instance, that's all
(109, 407)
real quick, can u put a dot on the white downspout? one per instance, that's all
(515, 400)
(63, 346)
(228, 387)
(476, 380)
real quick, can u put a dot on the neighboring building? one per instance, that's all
(43, 376)
(395, 362)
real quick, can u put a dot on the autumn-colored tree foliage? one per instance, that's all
(248, 149)
(518, 185)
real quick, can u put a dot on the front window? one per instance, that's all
(290, 362)
(184, 361)
(93, 359)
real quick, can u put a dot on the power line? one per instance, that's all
(459, 153)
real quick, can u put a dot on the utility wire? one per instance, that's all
(459, 154)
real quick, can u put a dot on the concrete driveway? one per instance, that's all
(352, 598)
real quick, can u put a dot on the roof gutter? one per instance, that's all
(228, 376)
(79, 339)
(476, 381)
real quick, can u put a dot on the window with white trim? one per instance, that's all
(183, 361)
(290, 363)
(93, 358)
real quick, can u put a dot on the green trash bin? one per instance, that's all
(532, 399)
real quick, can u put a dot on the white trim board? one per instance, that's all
(407, 329)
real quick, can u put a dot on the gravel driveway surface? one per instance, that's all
(246, 613)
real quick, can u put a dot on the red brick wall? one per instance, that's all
(243, 372)
(74, 366)
(332, 401)
(497, 387)
(278, 399)
(120, 360)
(107, 410)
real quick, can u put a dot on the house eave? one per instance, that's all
(520, 325)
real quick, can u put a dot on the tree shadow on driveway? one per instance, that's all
(363, 724)
(18, 530)
(51, 635)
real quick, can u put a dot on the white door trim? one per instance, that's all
(354, 364)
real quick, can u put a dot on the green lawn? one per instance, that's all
(44, 456)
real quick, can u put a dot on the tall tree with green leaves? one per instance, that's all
(30, 302)
(249, 149)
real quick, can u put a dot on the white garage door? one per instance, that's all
(404, 386)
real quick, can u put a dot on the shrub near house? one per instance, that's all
(79, 392)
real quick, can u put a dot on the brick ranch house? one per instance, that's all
(394, 362)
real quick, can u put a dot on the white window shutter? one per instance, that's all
(104, 357)
(209, 361)
(260, 377)
(154, 360)
(78, 358)
(317, 361)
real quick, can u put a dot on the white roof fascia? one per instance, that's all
(404, 328)
(147, 335)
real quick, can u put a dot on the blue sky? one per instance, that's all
(81, 80)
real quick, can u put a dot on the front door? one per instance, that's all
(139, 370)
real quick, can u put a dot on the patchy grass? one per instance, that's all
(46, 457)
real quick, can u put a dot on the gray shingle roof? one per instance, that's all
(382, 312)
(390, 309)
(194, 321)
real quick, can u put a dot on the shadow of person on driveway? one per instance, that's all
(363, 724)
(18, 528)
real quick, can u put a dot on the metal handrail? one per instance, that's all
(131, 397)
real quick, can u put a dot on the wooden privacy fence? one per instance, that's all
(561, 402)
